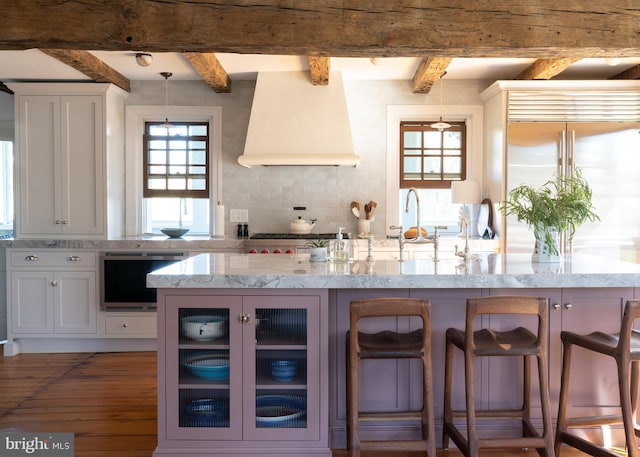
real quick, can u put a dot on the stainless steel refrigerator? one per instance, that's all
(608, 155)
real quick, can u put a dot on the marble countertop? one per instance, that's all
(484, 271)
(135, 242)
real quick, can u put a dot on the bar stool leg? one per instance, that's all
(543, 380)
(562, 400)
(353, 438)
(526, 394)
(624, 384)
(469, 379)
(428, 410)
(447, 412)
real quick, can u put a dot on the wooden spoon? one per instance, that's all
(355, 209)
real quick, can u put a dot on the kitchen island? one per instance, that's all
(266, 297)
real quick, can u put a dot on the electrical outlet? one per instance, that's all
(238, 215)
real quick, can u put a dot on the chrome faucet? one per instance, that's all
(419, 237)
(435, 240)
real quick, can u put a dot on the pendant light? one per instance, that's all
(166, 75)
(441, 125)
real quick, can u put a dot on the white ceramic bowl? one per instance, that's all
(174, 232)
(203, 328)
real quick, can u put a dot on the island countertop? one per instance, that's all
(484, 271)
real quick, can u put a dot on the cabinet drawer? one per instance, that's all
(130, 325)
(53, 258)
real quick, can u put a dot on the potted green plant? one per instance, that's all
(560, 204)
(317, 250)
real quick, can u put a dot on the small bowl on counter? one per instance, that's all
(284, 370)
(203, 328)
(174, 232)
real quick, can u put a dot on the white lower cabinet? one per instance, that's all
(52, 294)
(242, 373)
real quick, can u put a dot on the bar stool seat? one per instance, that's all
(519, 342)
(624, 348)
(388, 344)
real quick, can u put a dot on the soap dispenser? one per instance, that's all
(339, 248)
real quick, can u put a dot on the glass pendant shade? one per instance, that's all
(441, 125)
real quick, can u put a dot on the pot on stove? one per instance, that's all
(301, 226)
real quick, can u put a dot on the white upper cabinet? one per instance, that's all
(66, 137)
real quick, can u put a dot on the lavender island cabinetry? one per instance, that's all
(584, 294)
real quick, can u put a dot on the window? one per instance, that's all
(175, 160)
(430, 158)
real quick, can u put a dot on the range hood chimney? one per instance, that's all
(295, 123)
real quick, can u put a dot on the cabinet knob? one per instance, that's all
(244, 318)
(556, 306)
(32, 258)
(125, 325)
(568, 306)
(54, 283)
(74, 258)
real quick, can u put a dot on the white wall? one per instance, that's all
(270, 193)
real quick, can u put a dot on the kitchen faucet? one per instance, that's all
(419, 238)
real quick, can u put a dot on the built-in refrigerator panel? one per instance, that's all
(608, 155)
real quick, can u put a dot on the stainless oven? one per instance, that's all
(123, 278)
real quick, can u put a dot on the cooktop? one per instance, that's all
(295, 236)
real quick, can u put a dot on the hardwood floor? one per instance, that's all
(108, 400)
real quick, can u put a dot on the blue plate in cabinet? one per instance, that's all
(279, 410)
(208, 367)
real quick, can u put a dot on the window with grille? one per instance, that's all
(176, 162)
(430, 158)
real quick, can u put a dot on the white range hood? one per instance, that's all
(295, 123)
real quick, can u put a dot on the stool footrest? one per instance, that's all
(394, 445)
(588, 421)
(389, 416)
(493, 414)
(383, 354)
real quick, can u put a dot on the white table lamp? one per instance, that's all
(466, 193)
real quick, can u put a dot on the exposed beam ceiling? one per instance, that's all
(356, 28)
(208, 66)
(90, 65)
(546, 68)
(429, 71)
(319, 67)
(631, 73)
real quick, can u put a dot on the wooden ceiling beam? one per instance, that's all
(319, 67)
(429, 71)
(546, 68)
(90, 65)
(211, 70)
(341, 28)
(631, 73)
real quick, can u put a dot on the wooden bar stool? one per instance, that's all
(485, 342)
(624, 347)
(390, 345)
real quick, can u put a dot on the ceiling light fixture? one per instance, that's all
(441, 125)
(144, 59)
(166, 75)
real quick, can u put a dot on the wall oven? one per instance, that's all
(123, 278)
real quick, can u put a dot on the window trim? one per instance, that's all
(135, 117)
(471, 114)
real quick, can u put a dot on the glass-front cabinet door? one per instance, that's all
(206, 367)
(281, 339)
(244, 367)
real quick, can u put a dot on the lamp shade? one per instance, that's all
(465, 192)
